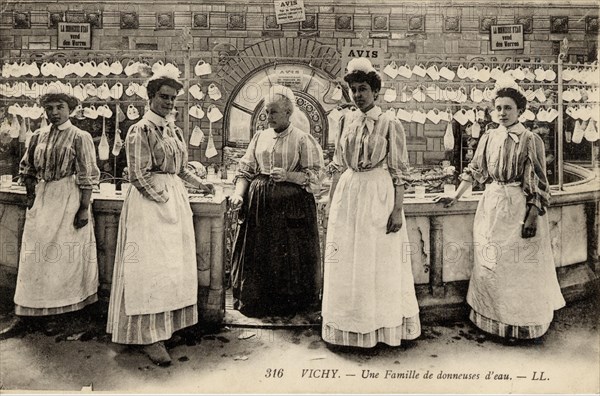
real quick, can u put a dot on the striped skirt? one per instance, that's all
(508, 331)
(410, 329)
(26, 311)
(167, 255)
(143, 329)
(368, 294)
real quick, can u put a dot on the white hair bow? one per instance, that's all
(362, 64)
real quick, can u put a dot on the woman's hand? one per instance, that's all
(530, 225)
(394, 223)
(30, 201)
(207, 188)
(81, 218)
(446, 201)
(236, 201)
(278, 174)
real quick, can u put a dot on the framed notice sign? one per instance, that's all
(287, 11)
(506, 37)
(74, 35)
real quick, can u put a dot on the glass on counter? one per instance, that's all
(449, 189)
(419, 192)
(5, 181)
(107, 189)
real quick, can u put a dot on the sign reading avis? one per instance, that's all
(74, 35)
(287, 11)
(375, 55)
(506, 37)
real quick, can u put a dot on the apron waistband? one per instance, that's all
(509, 184)
(366, 170)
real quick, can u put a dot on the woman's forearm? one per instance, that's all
(398, 197)
(241, 185)
(297, 177)
(85, 197)
(30, 183)
(462, 187)
(334, 182)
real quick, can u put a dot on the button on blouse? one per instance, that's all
(370, 140)
(293, 150)
(60, 151)
(512, 155)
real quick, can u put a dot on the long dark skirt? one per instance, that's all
(276, 255)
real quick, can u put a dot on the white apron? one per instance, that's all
(157, 247)
(368, 281)
(514, 279)
(57, 265)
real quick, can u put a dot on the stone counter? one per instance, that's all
(442, 251)
(440, 244)
(209, 225)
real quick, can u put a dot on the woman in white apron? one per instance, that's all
(155, 285)
(514, 290)
(368, 292)
(58, 271)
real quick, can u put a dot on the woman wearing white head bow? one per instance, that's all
(276, 255)
(369, 293)
(513, 290)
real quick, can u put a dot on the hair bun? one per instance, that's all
(283, 91)
(166, 73)
(507, 82)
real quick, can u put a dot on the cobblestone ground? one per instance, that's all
(76, 353)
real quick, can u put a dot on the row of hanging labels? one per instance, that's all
(539, 73)
(93, 112)
(22, 130)
(583, 112)
(93, 69)
(587, 129)
(425, 93)
(464, 116)
(473, 73)
(103, 91)
(584, 75)
(80, 112)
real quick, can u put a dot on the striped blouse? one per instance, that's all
(293, 150)
(153, 145)
(57, 152)
(513, 155)
(370, 140)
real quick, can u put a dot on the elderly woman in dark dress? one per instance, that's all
(276, 254)
(155, 285)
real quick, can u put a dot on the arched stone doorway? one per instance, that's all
(305, 66)
(245, 112)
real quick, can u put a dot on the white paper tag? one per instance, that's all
(214, 114)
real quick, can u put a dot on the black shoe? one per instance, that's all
(158, 354)
(11, 326)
